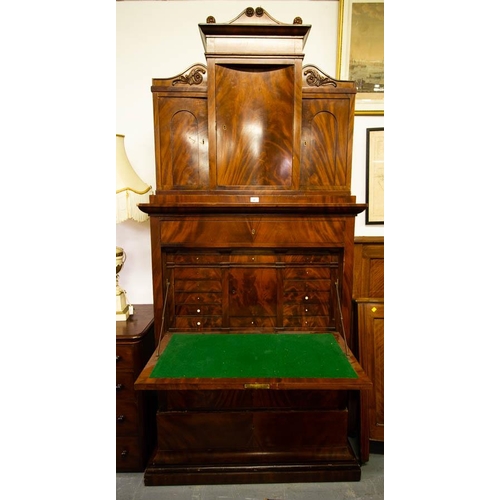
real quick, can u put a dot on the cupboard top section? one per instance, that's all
(254, 31)
(253, 120)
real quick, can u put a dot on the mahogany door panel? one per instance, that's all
(253, 292)
(252, 431)
(325, 145)
(182, 142)
(254, 116)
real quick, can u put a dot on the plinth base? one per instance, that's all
(157, 475)
(122, 308)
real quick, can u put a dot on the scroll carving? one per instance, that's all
(194, 77)
(315, 79)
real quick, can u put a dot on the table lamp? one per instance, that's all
(130, 190)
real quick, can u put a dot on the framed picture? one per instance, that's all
(375, 175)
(360, 52)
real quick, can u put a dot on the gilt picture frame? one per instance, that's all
(375, 175)
(360, 52)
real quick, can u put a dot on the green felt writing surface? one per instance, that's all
(280, 355)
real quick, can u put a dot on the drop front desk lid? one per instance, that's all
(193, 361)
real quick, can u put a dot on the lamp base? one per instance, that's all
(122, 308)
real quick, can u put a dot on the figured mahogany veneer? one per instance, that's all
(252, 230)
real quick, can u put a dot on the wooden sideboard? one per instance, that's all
(369, 320)
(135, 410)
(368, 337)
(252, 232)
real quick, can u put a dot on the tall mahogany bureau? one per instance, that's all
(252, 232)
(135, 410)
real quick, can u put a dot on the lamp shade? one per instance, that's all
(130, 188)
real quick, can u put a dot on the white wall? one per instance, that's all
(161, 40)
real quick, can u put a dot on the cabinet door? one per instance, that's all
(253, 297)
(182, 143)
(324, 145)
(255, 117)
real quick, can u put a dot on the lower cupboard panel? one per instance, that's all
(249, 433)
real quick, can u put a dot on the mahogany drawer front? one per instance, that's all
(310, 258)
(198, 273)
(129, 454)
(307, 285)
(198, 310)
(306, 322)
(197, 322)
(197, 298)
(307, 273)
(125, 386)
(197, 286)
(294, 309)
(196, 258)
(126, 357)
(127, 418)
(252, 258)
(252, 322)
(307, 297)
(253, 399)
(258, 232)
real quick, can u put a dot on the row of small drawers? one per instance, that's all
(199, 323)
(215, 273)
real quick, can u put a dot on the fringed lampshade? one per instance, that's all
(130, 188)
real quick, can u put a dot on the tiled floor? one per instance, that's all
(130, 486)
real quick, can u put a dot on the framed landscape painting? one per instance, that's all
(360, 56)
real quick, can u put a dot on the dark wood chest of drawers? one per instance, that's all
(135, 421)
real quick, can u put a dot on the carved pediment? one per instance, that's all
(261, 29)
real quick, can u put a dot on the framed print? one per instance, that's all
(360, 52)
(375, 175)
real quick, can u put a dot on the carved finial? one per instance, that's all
(259, 11)
(249, 11)
(297, 20)
(210, 19)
